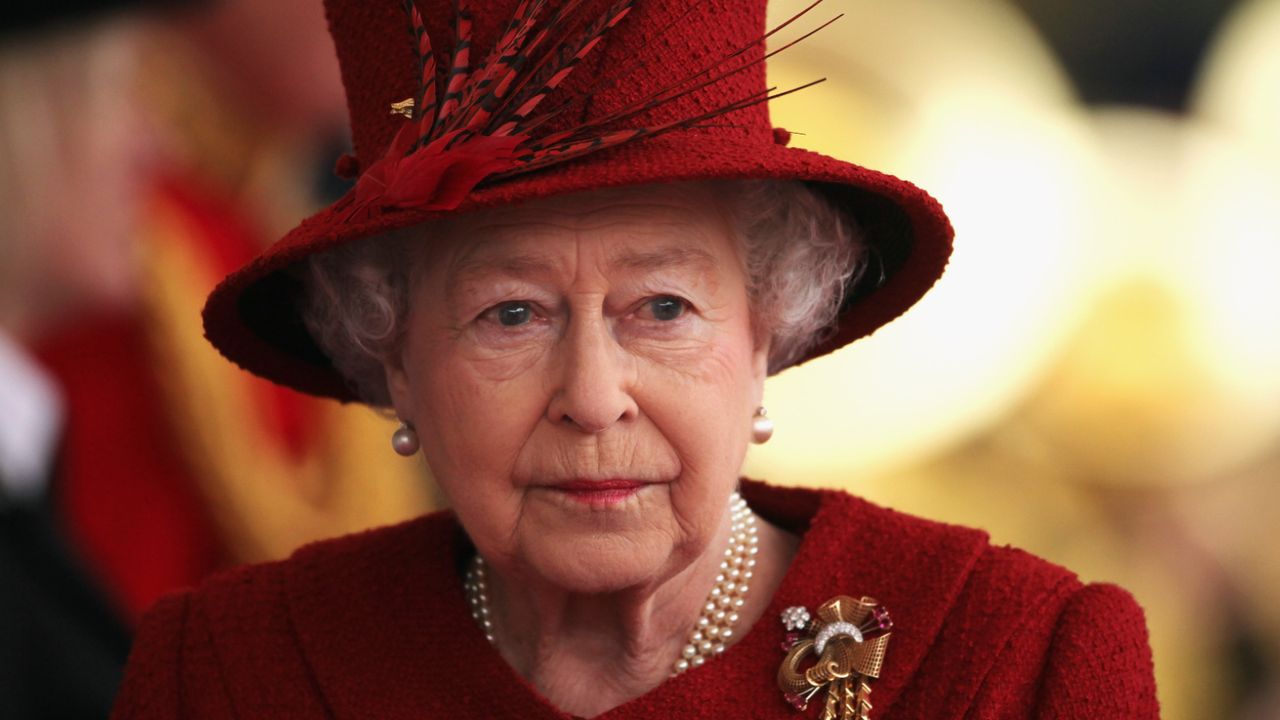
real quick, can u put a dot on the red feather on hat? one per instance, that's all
(479, 124)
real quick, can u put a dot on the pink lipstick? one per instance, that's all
(600, 492)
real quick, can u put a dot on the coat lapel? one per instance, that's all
(915, 568)
(382, 623)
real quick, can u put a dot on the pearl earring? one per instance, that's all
(761, 427)
(404, 440)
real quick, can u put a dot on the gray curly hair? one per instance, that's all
(799, 254)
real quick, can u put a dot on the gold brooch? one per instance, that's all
(846, 644)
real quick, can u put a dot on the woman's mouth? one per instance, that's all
(599, 492)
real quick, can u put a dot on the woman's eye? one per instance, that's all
(667, 307)
(512, 314)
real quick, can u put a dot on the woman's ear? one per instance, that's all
(760, 369)
(760, 361)
(398, 385)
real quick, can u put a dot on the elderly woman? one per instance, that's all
(570, 283)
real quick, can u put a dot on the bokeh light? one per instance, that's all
(1097, 377)
(993, 136)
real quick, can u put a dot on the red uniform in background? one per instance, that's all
(172, 457)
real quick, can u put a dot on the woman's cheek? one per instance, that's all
(709, 360)
(492, 355)
(478, 429)
(677, 344)
(465, 393)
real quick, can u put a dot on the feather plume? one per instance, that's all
(425, 99)
(481, 124)
(459, 68)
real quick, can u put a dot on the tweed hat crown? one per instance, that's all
(456, 108)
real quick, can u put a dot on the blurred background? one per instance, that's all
(1096, 379)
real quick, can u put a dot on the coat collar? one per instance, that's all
(382, 620)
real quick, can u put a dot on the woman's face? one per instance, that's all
(601, 338)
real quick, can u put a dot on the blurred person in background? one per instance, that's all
(250, 103)
(72, 176)
(176, 463)
(121, 207)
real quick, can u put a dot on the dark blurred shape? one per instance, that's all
(1254, 672)
(1140, 52)
(73, 167)
(329, 186)
(62, 647)
(28, 17)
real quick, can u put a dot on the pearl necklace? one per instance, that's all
(714, 628)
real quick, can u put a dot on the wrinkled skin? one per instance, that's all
(600, 336)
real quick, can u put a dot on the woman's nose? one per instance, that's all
(596, 379)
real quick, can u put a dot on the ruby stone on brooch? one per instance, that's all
(835, 652)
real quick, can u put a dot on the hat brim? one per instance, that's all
(252, 317)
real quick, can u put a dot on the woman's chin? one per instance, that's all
(600, 564)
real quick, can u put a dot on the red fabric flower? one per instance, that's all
(438, 176)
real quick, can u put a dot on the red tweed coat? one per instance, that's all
(375, 626)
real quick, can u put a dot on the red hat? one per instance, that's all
(456, 109)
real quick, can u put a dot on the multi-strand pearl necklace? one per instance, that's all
(714, 628)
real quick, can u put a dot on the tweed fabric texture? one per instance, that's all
(375, 625)
(252, 319)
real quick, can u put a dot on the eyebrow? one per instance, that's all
(528, 265)
(520, 266)
(663, 258)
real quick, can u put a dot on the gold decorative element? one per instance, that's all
(846, 644)
(404, 108)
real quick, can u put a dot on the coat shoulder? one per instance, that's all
(1099, 662)
(248, 588)
(993, 574)
(235, 635)
(983, 629)
(1025, 637)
